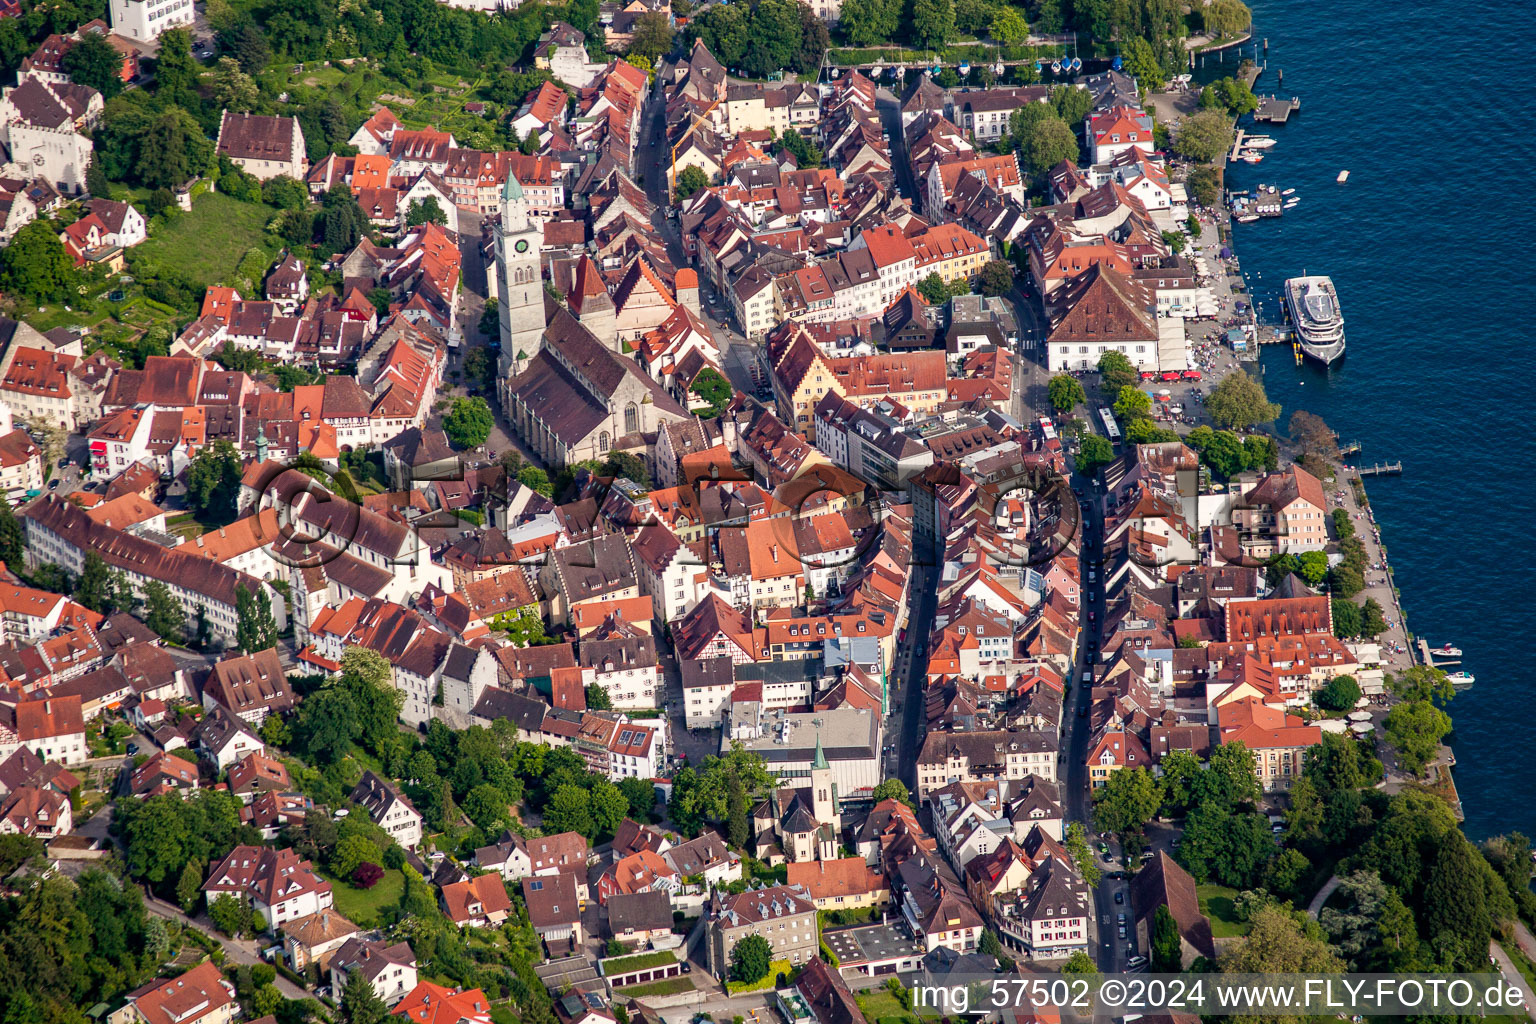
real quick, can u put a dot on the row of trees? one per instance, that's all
(765, 38)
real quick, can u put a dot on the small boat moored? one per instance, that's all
(1461, 679)
(1447, 651)
(1289, 192)
(1251, 158)
(1342, 178)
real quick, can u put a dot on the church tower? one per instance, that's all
(823, 791)
(519, 285)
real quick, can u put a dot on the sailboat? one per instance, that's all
(1055, 67)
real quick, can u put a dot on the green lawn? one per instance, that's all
(1521, 961)
(665, 987)
(880, 1006)
(207, 245)
(1216, 903)
(362, 906)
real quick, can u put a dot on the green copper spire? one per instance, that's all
(513, 189)
(820, 760)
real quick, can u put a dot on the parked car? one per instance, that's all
(133, 748)
(1120, 897)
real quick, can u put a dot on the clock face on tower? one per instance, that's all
(522, 245)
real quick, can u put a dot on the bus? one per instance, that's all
(1111, 429)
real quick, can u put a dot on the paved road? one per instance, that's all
(1512, 974)
(241, 951)
(910, 678)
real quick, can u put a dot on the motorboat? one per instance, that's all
(1291, 204)
(1289, 192)
(1447, 651)
(1461, 679)
(1247, 218)
(1258, 141)
(1317, 317)
(1342, 178)
(1251, 158)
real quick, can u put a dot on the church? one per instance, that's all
(802, 824)
(568, 395)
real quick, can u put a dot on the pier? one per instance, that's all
(1384, 469)
(1273, 110)
(1432, 659)
(1348, 449)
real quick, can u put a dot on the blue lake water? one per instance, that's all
(1428, 246)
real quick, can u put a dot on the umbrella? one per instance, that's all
(1226, 253)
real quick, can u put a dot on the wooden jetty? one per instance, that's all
(1273, 110)
(1386, 469)
(1349, 448)
(1433, 659)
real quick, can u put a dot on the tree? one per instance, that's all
(1312, 567)
(652, 36)
(172, 150)
(597, 698)
(230, 914)
(162, 612)
(1050, 142)
(807, 155)
(1132, 403)
(738, 826)
(94, 62)
(1203, 136)
(1231, 848)
(1422, 683)
(996, 278)
(1348, 619)
(868, 22)
(469, 422)
(1226, 18)
(249, 46)
(1229, 779)
(189, 887)
(486, 806)
(1339, 694)
(641, 794)
(1167, 945)
(1203, 185)
(233, 89)
(425, 211)
(1116, 372)
(1414, 729)
(1180, 769)
(35, 264)
(1096, 451)
(536, 479)
(570, 810)
(1287, 871)
(933, 290)
(366, 875)
(1141, 63)
(1066, 392)
(1373, 621)
(213, 483)
(328, 722)
(1076, 843)
(1071, 103)
(750, 959)
(350, 852)
(713, 388)
(1239, 401)
(1127, 801)
(360, 1004)
(1079, 963)
(175, 70)
(255, 627)
(1398, 934)
(1008, 26)
(490, 321)
(93, 588)
(933, 22)
(892, 789)
(1455, 905)
(689, 180)
(1279, 943)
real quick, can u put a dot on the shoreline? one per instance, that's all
(1398, 650)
